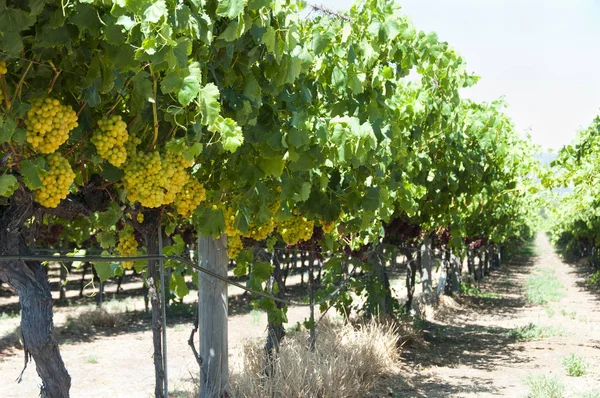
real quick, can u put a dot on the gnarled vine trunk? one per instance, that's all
(31, 284)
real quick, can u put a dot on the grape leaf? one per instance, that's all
(210, 108)
(110, 217)
(7, 129)
(32, 170)
(8, 185)
(189, 89)
(230, 8)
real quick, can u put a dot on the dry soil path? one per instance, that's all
(472, 352)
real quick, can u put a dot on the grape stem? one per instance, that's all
(154, 110)
(16, 160)
(8, 103)
(56, 74)
(111, 110)
(21, 81)
(81, 108)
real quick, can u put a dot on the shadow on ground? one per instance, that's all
(461, 341)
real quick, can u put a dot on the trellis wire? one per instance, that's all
(163, 304)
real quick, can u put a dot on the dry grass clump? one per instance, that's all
(97, 318)
(347, 362)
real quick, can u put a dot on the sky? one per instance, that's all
(542, 56)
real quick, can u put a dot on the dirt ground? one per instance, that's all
(471, 353)
(468, 352)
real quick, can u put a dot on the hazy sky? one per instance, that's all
(543, 56)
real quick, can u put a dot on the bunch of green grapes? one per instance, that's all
(155, 180)
(110, 139)
(48, 124)
(190, 196)
(234, 245)
(127, 246)
(296, 229)
(328, 226)
(230, 229)
(3, 71)
(176, 175)
(262, 232)
(56, 182)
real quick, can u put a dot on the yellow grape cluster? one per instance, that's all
(56, 182)
(3, 71)
(262, 232)
(190, 196)
(296, 229)
(127, 246)
(155, 180)
(110, 139)
(328, 227)
(48, 124)
(258, 233)
(234, 245)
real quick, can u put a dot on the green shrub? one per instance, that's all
(544, 386)
(574, 365)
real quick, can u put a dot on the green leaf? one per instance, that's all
(230, 8)
(178, 285)
(127, 22)
(112, 173)
(15, 19)
(110, 217)
(156, 11)
(105, 270)
(262, 270)
(86, 19)
(7, 129)
(230, 33)
(11, 42)
(272, 166)
(190, 87)
(171, 83)
(32, 170)
(232, 136)
(209, 222)
(208, 99)
(8, 185)
(107, 239)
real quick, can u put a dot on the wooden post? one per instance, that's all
(212, 311)
(426, 266)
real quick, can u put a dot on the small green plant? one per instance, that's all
(91, 359)
(594, 280)
(590, 394)
(570, 314)
(574, 365)
(550, 311)
(544, 386)
(544, 287)
(473, 290)
(534, 332)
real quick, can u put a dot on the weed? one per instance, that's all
(544, 287)
(574, 365)
(594, 280)
(544, 386)
(97, 318)
(570, 314)
(346, 363)
(91, 359)
(590, 394)
(534, 332)
(549, 311)
(473, 290)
